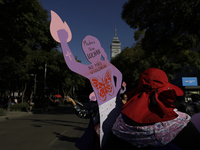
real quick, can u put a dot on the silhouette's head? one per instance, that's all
(92, 49)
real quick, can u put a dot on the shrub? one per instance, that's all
(20, 107)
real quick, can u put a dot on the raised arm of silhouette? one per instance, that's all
(68, 56)
(61, 32)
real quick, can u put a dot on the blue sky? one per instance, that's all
(92, 17)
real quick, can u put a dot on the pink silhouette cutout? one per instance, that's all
(104, 77)
(100, 72)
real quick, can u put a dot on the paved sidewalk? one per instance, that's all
(14, 114)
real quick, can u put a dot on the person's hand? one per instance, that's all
(70, 100)
(123, 84)
(62, 34)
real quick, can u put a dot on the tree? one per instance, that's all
(131, 62)
(172, 29)
(59, 78)
(24, 29)
(70, 81)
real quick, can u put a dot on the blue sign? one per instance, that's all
(189, 81)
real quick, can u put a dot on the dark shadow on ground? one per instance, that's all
(67, 123)
(41, 123)
(65, 138)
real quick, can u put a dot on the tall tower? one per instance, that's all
(115, 45)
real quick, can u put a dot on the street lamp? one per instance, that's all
(34, 82)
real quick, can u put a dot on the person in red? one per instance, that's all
(149, 120)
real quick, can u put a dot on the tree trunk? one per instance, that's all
(31, 96)
(74, 93)
(23, 92)
(69, 91)
(64, 92)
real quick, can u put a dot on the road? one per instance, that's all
(42, 132)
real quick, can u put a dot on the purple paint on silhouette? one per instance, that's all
(92, 49)
(68, 55)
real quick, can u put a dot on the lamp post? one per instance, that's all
(45, 76)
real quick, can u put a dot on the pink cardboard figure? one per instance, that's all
(101, 73)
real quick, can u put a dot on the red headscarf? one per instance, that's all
(141, 108)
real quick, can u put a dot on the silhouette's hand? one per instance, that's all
(62, 34)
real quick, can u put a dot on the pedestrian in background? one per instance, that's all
(91, 138)
(124, 98)
(9, 103)
(31, 104)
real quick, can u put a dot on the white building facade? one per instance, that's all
(115, 47)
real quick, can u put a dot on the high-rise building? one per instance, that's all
(115, 47)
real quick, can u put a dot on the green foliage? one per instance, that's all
(139, 34)
(27, 47)
(131, 62)
(165, 21)
(172, 29)
(25, 42)
(69, 79)
(20, 107)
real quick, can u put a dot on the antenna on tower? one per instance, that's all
(115, 30)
